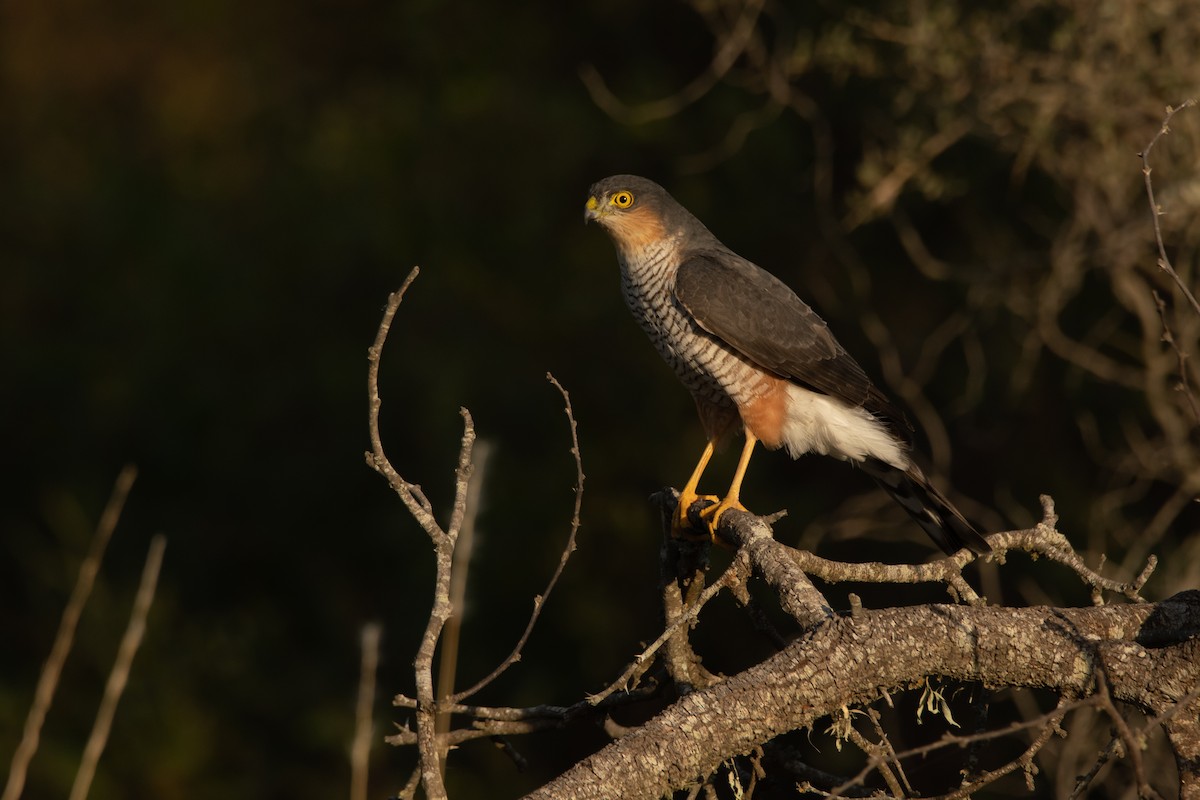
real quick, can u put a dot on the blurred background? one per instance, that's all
(206, 204)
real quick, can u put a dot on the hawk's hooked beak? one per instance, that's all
(593, 210)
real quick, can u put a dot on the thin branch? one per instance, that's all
(1050, 720)
(1043, 540)
(1181, 355)
(534, 712)
(414, 500)
(735, 138)
(432, 744)
(732, 46)
(360, 747)
(443, 546)
(683, 570)
(888, 751)
(887, 189)
(1164, 263)
(1134, 745)
(119, 677)
(427, 738)
(43, 695)
(460, 571)
(410, 789)
(489, 721)
(462, 481)
(946, 570)
(737, 572)
(1046, 540)
(1082, 782)
(540, 600)
(882, 754)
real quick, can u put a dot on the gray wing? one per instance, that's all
(756, 314)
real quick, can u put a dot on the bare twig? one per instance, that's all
(886, 190)
(428, 746)
(1134, 744)
(737, 572)
(1048, 721)
(414, 500)
(540, 600)
(490, 721)
(1082, 782)
(1164, 263)
(410, 789)
(432, 741)
(888, 751)
(683, 567)
(731, 47)
(739, 131)
(119, 677)
(360, 748)
(1181, 355)
(1046, 540)
(946, 570)
(882, 754)
(460, 571)
(43, 695)
(443, 546)
(1043, 540)
(532, 712)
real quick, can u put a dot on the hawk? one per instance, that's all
(753, 353)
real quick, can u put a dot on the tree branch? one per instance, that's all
(1164, 263)
(540, 600)
(848, 660)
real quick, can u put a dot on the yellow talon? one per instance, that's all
(681, 527)
(712, 514)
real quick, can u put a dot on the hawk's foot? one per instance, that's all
(712, 514)
(682, 526)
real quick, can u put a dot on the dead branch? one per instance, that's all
(430, 705)
(1164, 263)
(443, 543)
(850, 660)
(539, 601)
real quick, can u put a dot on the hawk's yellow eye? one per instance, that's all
(622, 199)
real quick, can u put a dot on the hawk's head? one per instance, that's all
(635, 211)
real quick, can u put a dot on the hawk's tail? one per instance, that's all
(929, 507)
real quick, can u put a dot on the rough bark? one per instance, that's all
(1149, 654)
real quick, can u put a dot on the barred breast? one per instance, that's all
(713, 372)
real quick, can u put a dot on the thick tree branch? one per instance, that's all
(849, 660)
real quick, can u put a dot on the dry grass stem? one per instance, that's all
(43, 695)
(119, 677)
(360, 747)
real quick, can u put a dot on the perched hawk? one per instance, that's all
(751, 352)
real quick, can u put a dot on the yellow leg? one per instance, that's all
(712, 514)
(688, 496)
